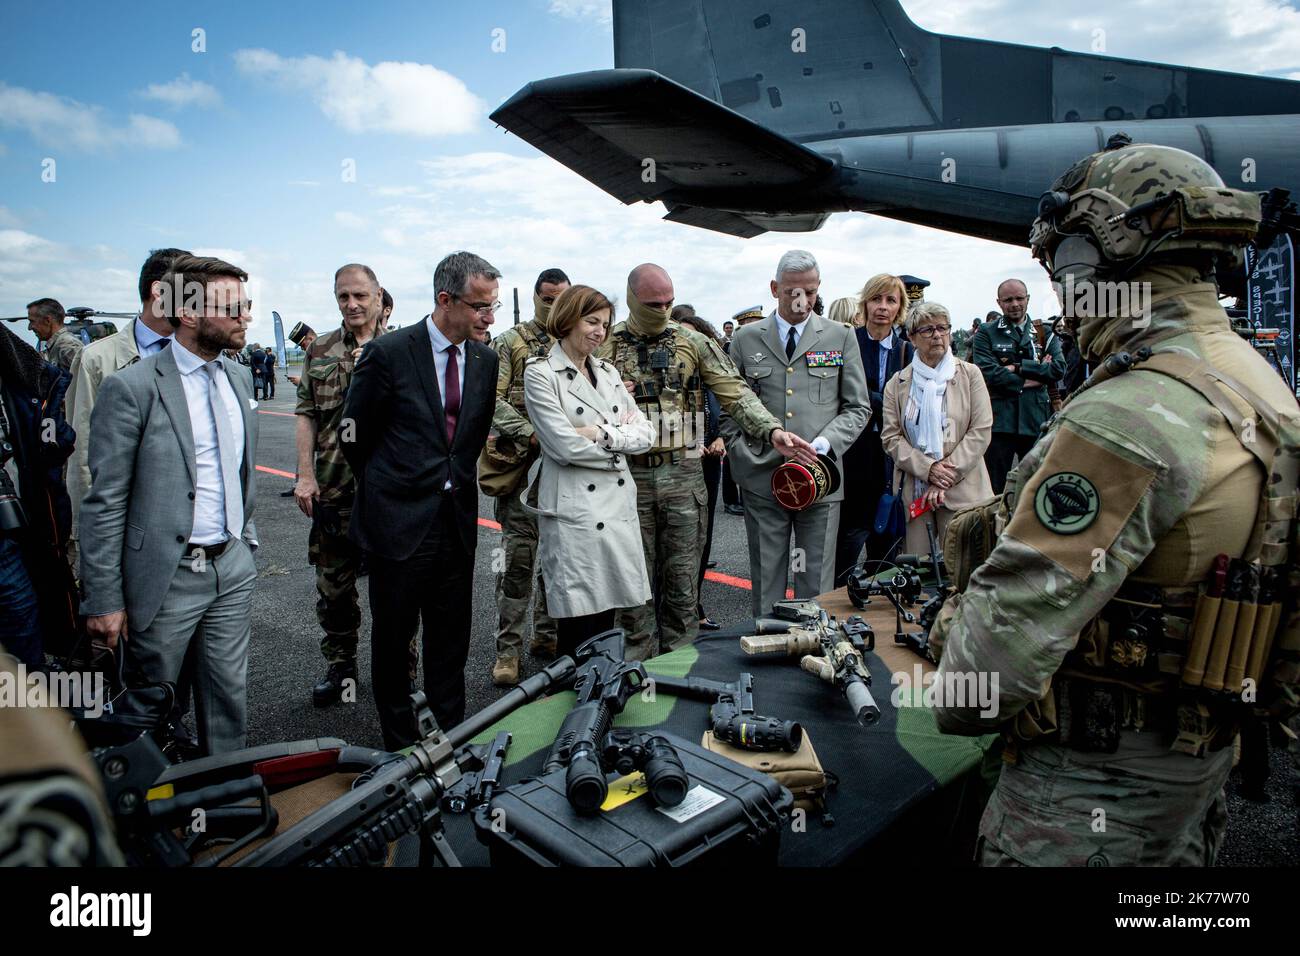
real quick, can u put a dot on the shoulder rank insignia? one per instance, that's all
(826, 359)
(1067, 503)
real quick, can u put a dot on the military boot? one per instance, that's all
(330, 689)
(543, 648)
(505, 672)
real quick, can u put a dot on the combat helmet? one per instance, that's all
(1113, 209)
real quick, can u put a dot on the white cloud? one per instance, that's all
(60, 121)
(525, 214)
(1240, 36)
(602, 11)
(413, 99)
(8, 219)
(351, 220)
(183, 91)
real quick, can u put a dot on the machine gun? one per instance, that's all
(829, 650)
(401, 797)
(604, 684)
(919, 641)
(731, 716)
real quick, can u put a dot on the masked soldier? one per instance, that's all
(1140, 599)
(503, 469)
(326, 487)
(666, 367)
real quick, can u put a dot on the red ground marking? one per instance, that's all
(277, 471)
(715, 576)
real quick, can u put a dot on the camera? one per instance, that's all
(12, 516)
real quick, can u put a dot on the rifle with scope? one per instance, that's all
(400, 797)
(585, 745)
(832, 651)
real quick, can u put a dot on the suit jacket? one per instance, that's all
(967, 437)
(138, 516)
(809, 396)
(589, 547)
(400, 453)
(97, 361)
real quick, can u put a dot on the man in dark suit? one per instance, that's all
(421, 403)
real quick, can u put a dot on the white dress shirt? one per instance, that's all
(440, 344)
(820, 444)
(209, 493)
(147, 341)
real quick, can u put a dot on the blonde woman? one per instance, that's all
(938, 422)
(589, 537)
(847, 311)
(867, 469)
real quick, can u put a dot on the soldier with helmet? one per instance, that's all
(503, 471)
(666, 367)
(1139, 600)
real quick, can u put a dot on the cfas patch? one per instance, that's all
(1067, 502)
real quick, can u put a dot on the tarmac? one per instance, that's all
(285, 660)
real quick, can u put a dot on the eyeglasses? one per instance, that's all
(482, 308)
(932, 329)
(234, 310)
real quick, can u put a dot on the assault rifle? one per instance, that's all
(829, 650)
(400, 797)
(604, 684)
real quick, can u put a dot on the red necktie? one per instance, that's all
(451, 403)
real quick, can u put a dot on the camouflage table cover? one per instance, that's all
(903, 787)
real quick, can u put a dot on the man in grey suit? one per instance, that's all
(167, 530)
(808, 373)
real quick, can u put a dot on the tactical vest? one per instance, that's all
(537, 344)
(503, 466)
(1193, 660)
(666, 395)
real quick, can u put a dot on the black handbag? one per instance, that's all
(891, 518)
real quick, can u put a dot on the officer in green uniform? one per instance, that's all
(666, 367)
(1016, 370)
(502, 472)
(325, 488)
(45, 319)
(1142, 592)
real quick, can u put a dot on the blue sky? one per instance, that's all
(240, 150)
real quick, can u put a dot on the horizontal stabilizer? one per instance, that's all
(642, 137)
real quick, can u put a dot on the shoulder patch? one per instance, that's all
(1078, 501)
(1067, 503)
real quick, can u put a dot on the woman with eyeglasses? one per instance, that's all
(938, 422)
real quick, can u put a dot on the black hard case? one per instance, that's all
(535, 826)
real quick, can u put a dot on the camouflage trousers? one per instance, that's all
(338, 609)
(516, 577)
(1143, 805)
(672, 505)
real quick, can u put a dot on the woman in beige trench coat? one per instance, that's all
(938, 422)
(589, 537)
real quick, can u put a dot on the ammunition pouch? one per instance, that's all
(969, 539)
(656, 458)
(503, 466)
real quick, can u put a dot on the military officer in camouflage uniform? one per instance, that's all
(1018, 373)
(666, 367)
(325, 488)
(1133, 531)
(503, 469)
(45, 319)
